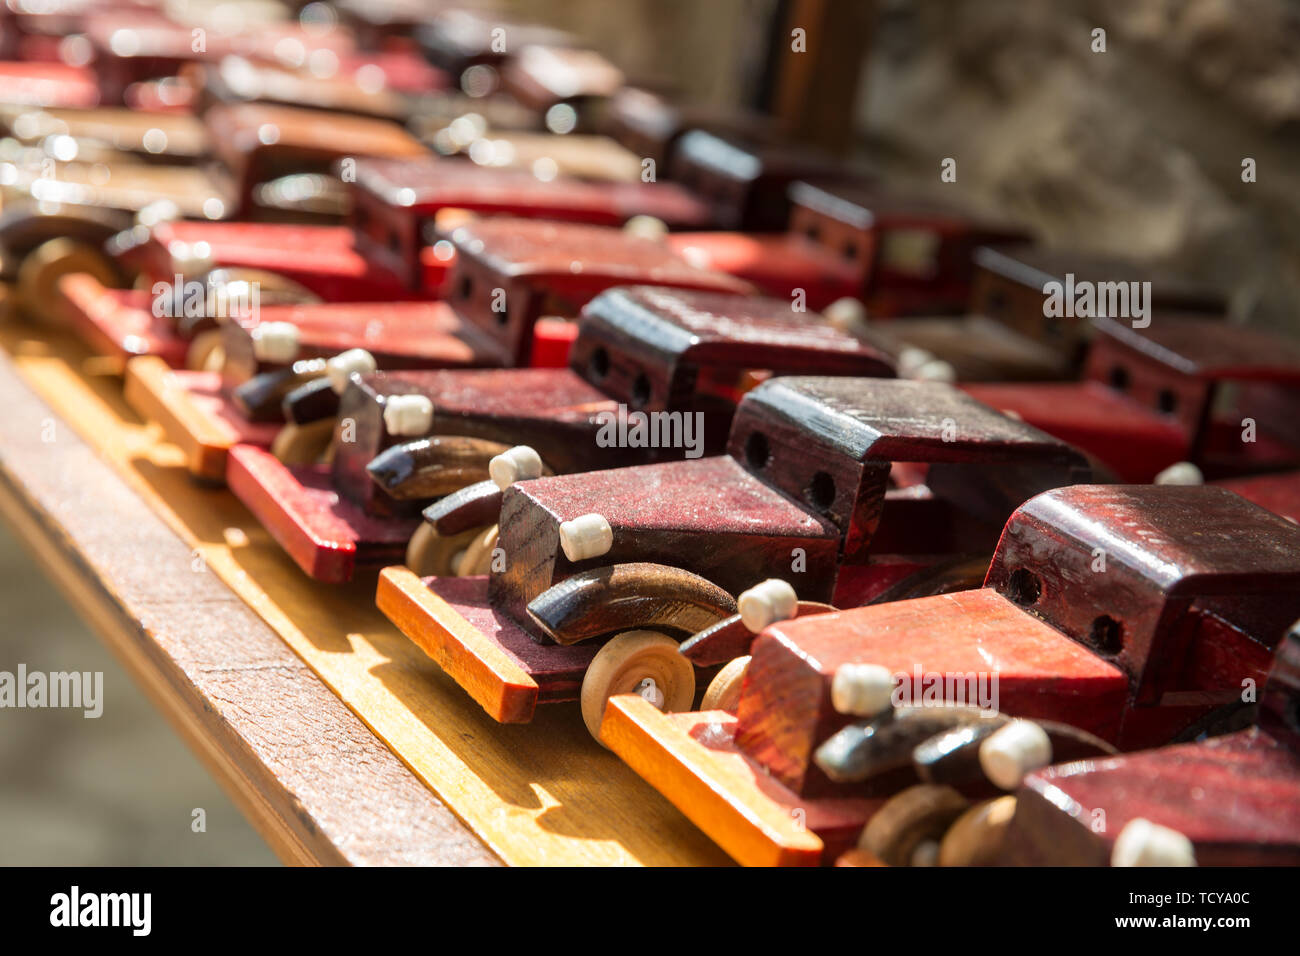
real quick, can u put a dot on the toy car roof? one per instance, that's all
(863, 206)
(241, 128)
(903, 421)
(563, 72)
(564, 252)
(1209, 349)
(1193, 540)
(733, 159)
(676, 327)
(428, 184)
(1037, 265)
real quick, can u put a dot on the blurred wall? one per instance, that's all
(1137, 150)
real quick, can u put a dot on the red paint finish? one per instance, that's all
(323, 259)
(1278, 493)
(48, 85)
(777, 265)
(1152, 397)
(118, 322)
(785, 709)
(323, 533)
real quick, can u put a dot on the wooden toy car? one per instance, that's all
(1132, 613)
(747, 185)
(392, 462)
(1224, 801)
(568, 86)
(474, 46)
(259, 143)
(517, 257)
(1010, 283)
(600, 574)
(396, 201)
(899, 254)
(650, 125)
(1184, 389)
(136, 46)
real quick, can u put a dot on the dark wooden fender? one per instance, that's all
(624, 597)
(432, 467)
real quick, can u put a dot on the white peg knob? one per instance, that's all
(646, 227)
(862, 690)
(275, 342)
(1143, 843)
(935, 370)
(767, 602)
(846, 314)
(518, 464)
(586, 536)
(1014, 750)
(408, 416)
(1181, 473)
(911, 358)
(343, 366)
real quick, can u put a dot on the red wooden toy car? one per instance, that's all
(654, 553)
(900, 254)
(1184, 389)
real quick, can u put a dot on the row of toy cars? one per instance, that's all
(425, 305)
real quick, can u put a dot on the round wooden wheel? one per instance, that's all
(976, 837)
(41, 269)
(723, 692)
(303, 444)
(206, 353)
(477, 558)
(431, 554)
(625, 663)
(918, 815)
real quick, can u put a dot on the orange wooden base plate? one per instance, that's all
(194, 414)
(479, 647)
(692, 760)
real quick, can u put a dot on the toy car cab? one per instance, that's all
(654, 553)
(1184, 389)
(900, 254)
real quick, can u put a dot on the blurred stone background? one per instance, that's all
(1134, 151)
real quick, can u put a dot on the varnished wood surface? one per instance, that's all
(543, 793)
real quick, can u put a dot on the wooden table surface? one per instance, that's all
(337, 737)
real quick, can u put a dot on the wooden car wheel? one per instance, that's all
(976, 836)
(36, 287)
(431, 554)
(625, 662)
(206, 353)
(303, 444)
(477, 558)
(723, 692)
(911, 818)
